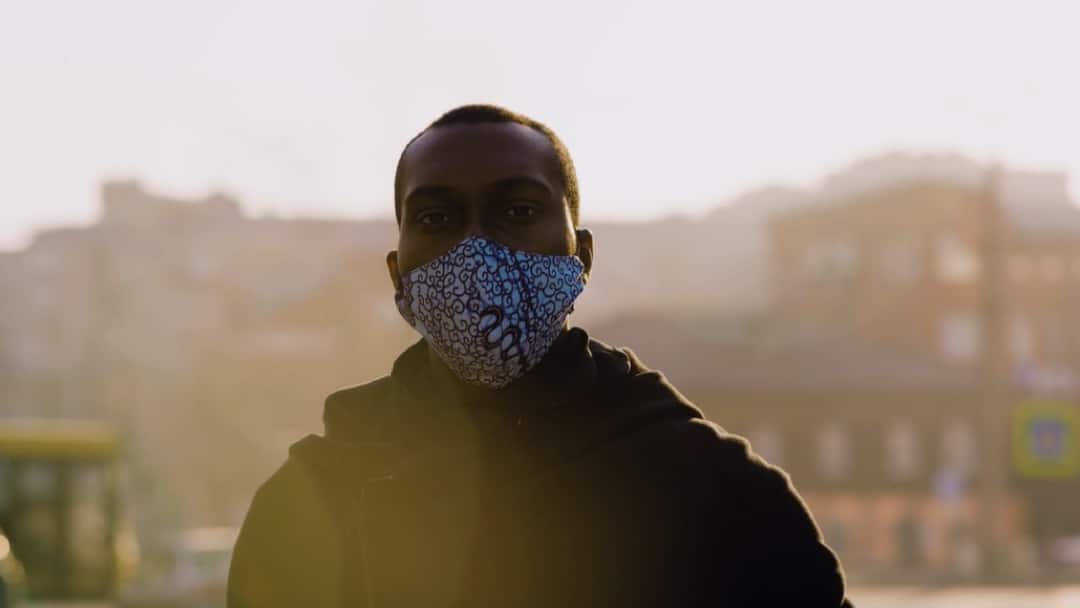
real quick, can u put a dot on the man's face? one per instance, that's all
(495, 180)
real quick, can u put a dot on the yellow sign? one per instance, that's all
(1045, 435)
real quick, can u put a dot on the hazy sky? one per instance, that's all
(302, 107)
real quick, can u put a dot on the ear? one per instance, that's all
(585, 250)
(392, 268)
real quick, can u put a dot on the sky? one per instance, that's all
(301, 108)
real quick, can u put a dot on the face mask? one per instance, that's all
(491, 313)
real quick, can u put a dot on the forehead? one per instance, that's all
(475, 154)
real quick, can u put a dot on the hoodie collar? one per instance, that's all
(566, 372)
(582, 393)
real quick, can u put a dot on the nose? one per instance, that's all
(475, 226)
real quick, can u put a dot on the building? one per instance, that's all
(927, 262)
(864, 376)
(118, 319)
(902, 265)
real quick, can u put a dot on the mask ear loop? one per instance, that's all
(580, 278)
(581, 275)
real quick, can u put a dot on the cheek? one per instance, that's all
(571, 240)
(409, 258)
(554, 234)
(414, 253)
(566, 240)
(569, 230)
(551, 239)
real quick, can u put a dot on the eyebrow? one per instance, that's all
(511, 183)
(429, 192)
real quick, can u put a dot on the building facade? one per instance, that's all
(962, 273)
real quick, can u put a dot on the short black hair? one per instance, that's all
(485, 113)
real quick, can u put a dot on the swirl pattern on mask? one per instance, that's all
(491, 313)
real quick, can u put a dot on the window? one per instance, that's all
(88, 527)
(39, 482)
(902, 455)
(834, 451)
(960, 338)
(36, 521)
(831, 259)
(957, 261)
(767, 441)
(899, 261)
(1021, 339)
(1020, 268)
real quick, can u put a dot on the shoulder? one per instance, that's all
(715, 451)
(753, 511)
(348, 398)
(683, 424)
(351, 411)
(720, 448)
(622, 377)
(291, 488)
(720, 469)
(287, 517)
(727, 463)
(289, 503)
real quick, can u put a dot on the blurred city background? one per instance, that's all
(847, 232)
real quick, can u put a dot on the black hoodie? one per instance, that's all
(605, 487)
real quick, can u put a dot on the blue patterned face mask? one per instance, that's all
(491, 313)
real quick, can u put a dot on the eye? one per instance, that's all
(520, 210)
(433, 217)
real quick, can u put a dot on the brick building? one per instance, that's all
(863, 379)
(902, 265)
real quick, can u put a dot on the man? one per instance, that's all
(509, 460)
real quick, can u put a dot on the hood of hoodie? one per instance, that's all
(582, 395)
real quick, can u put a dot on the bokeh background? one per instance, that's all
(847, 230)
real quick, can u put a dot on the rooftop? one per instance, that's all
(1034, 202)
